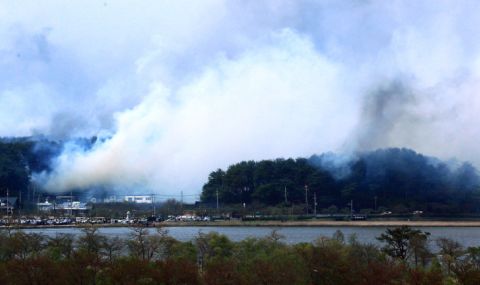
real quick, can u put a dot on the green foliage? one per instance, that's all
(396, 179)
(214, 259)
(213, 245)
(265, 181)
(450, 252)
(404, 241)
(399, 180)
(14, 172)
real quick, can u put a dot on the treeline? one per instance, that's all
(148, 257)
(399, 180)
(395, 179)
(21, 157)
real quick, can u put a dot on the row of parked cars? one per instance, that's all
(25, 221)
(188, 218)
(38, 221)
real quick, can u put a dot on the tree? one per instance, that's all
(91, 242)
(138, 243)
(467, 270)
(270, 194)
(112, 248)
(215, 183)
(450, 252)
(14, 173)
(23, 245)
(400, 241)
(146, 246)
(398, 178)
(419, 248)
(473, 256)
(60, 246)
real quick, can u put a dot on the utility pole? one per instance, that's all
(181, 200)
(351, 208)
(375, 198)
(285, 194)
(19, 203)
(315, 204)
(153, 202)
(217, 200)
(242, 194)
(6, 204)
(306, 197)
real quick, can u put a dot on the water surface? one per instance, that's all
(467, 236)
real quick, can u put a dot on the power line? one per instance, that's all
(166, 195)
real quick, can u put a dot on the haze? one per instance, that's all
(177, 89)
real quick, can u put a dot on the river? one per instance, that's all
(467, 236)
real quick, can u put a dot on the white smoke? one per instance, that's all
(184, 88)
(269, 102)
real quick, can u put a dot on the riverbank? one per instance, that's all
(323, 223)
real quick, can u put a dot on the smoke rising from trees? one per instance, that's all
(175, 90)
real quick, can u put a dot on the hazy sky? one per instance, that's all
(185, 87)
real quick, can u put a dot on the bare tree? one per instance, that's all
(91, 241)
(112, 248)
(450, 252)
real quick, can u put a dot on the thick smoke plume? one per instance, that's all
(176, 90)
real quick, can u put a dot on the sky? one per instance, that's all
(181, 88)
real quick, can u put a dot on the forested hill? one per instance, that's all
(396, 179)
(20, 157)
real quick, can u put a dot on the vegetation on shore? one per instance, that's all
(148, 257)
(398, 180)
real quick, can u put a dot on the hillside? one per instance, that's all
(394, 179)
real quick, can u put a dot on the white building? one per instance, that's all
(45, 206)
(61, 205)
(139, 199)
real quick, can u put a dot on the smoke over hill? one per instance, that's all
(395, 178)
(172, 90)
(398, 179)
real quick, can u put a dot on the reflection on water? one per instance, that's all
(467, 236)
